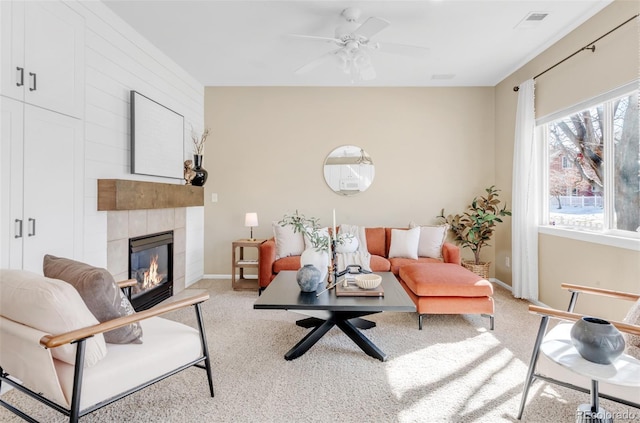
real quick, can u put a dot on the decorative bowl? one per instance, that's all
(368, 281)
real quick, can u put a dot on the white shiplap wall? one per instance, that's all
(117, 60)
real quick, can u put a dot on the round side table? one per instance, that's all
(625, 371)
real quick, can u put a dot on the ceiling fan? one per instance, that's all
(354, 46)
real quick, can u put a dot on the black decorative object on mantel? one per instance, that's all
(597, 340)
(201, 174)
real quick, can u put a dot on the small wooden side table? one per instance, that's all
(239, 263)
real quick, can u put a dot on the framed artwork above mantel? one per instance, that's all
(157, 138)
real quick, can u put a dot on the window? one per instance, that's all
(593, 165)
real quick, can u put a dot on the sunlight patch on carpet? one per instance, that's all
(477, 372)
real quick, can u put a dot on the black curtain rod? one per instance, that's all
(591, 46)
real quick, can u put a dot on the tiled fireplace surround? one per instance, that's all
(122, 225)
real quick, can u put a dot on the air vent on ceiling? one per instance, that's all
(536, 16)
(532, 20)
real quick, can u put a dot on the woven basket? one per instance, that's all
(481, 269)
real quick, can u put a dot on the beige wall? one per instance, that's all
(564, 260)
(432, 148)
(614, 63)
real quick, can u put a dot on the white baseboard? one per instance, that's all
(502, 284)
(216, 276)
(510, 288)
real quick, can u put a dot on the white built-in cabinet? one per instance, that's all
(43, 55)
(42, 153)
(41, 176)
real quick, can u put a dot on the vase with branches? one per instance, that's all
(201, 174)
(310, 228)
(474, 228)
(199, 140)
(320, 240)
(318, 255)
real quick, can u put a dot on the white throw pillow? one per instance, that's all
(52, 306)
(288, 242)
(404, 243)
(348, 244)
(431, 240)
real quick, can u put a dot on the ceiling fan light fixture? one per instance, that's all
(354, 46)
(356, 63)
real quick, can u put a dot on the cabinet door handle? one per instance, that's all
(18, 228)
(20, 82)
(32, 227)
(33, 79)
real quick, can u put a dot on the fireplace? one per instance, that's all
(151, 264)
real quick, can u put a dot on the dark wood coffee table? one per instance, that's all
(283, 293)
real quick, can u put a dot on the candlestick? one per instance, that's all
(334, 224)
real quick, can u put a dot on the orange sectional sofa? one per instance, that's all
(436, 285)
(378, 244)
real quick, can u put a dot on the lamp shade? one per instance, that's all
(251, 219)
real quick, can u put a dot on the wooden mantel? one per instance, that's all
(121, 194)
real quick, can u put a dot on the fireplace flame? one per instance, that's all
(151, 276)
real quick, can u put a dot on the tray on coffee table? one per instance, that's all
(352, 290)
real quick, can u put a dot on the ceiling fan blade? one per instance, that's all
(371, 27)
(317, 37)
(403, 49)
(317, 62)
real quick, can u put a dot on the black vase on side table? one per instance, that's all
(201, 173)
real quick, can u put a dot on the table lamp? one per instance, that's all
(251, 220)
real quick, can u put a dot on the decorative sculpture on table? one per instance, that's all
(597, 340)
(189, 173)
(309, 278)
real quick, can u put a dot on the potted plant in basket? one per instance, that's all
(474, 228)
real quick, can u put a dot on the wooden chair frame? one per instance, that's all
(80, 336)
(569, 315)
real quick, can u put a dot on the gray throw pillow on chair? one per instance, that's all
(100, 292)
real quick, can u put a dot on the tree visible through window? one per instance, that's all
(582, 148)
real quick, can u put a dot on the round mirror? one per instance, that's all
(348, 170)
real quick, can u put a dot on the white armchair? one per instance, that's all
(545, 369)
(51, 343)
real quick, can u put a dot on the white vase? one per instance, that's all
(320, 259)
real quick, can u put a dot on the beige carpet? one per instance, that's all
(455, 370)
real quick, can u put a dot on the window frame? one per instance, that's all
(608, 236)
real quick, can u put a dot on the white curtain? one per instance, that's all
(525, 197)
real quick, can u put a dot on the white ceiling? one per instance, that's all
(245, 43)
